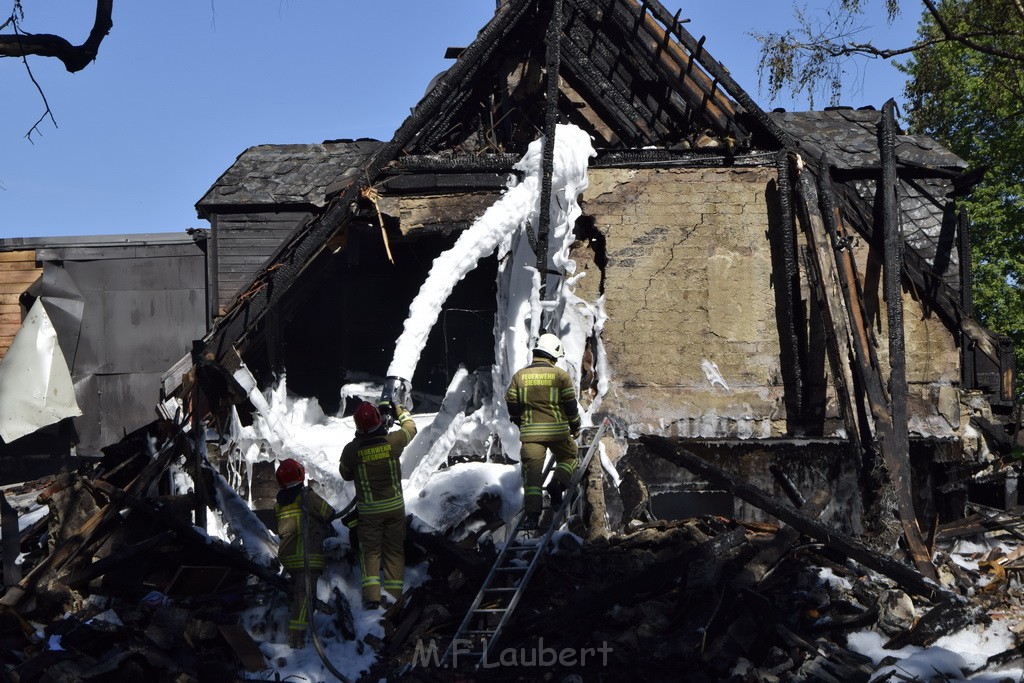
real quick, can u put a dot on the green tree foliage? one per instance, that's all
(971, 97)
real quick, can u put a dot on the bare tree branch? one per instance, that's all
(74, 57)
(46, 103)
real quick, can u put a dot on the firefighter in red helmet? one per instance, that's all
(302, 519)
(371, 460)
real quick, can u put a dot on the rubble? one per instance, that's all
(118, 582)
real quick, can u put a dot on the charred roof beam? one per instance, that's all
(308, 240)
(675, 66)
(442, 163)
(632, 71)
(718, 72)
(608, 102)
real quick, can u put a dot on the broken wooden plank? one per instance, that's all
(823, 279)
(941, 620)
(894, 450)
(757, 568)
(101, 566)
(911, 580)
(244, 647)
(93, 532)
(979, 524)
(230, 555)
(893, 281)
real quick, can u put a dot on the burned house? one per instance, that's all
(787, 335)
(787, 293)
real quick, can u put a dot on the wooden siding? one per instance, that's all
(244, 243)
(18, 270)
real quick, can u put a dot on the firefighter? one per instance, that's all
(371, 460)
(542, 403)
(302, 524)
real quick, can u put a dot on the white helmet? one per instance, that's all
(550, 345)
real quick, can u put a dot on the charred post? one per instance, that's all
(552, 65)
(893, 279)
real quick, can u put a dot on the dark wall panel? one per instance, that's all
(244, 243)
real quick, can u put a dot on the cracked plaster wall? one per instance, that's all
(689, 277)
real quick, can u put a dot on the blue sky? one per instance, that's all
(180, 89)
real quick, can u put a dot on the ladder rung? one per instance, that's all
(517, 552)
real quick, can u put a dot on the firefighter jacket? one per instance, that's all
(290, 522)
(542, 402)
(372, 462)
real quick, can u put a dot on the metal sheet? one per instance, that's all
(114, 405)
(64, 304)
(35, 384)
(139, 331)
(152, 272)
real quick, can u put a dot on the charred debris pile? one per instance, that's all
(116, 578)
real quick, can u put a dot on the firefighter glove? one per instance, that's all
(574, 426)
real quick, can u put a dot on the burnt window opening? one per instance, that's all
(345, 329)
(585, 230)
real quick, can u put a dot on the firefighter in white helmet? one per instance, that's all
(542, 403)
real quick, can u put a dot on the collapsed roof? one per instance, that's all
(646, 90)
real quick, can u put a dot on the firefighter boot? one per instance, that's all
(531, 521)
(556, 489)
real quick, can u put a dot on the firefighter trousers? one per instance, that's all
(301, 609)
(382, 547)
(532, 457)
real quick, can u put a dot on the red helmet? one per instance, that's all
(290, 472)
(367, 418)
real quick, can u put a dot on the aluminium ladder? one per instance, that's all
(506, 582)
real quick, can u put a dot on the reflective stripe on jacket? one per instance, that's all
(542, 401)
(372, 462)
(289, 527)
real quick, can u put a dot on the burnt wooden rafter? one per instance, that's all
(611, 105)
(675, 65)
(892, 273)
(933, 289)
(788, 288)
(848, 318)
(963, 234)
(823, 279)
(552, 64)
(911, 581)
(269, 285)
(629, 70)
(945, 300)
(718, 72)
